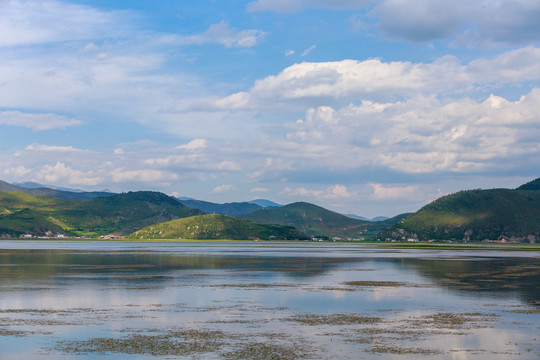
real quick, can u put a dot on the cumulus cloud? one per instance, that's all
(351, 79)
(223, 34)
(382, 192)
(144, 175)
(17, 172)
(38, 122)
(60, 172)
(332, 192)
(423, 134)
(223, 189)
(194, 145)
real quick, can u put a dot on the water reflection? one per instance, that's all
(226, 301)
(507, 277)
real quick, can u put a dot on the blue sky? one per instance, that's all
(374, 107)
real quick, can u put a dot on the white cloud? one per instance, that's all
(38, 122)
(421, 135)
(17, 172)
(258, 190)
(381, 192)
(227, 36)
(302, 192)
(223, 189)
(289, 52)
(60, 172)
(145, 175)
(48, 148)
(338, 191)
(38, 22)
(194, 145)
(333, 192)
(350, 79)
(308, 50)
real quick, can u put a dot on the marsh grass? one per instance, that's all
(268, 351)
(174, 342)
(385, 284)
(335, 319)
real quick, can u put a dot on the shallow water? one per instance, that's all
(125, 300)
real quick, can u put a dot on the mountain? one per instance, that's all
(531, 185)
(119, 214)
(265, 203)
(476, 215)
(373, 228)
(27, 221)
(35, 185)
(214, 227)
(234, 208)
(46, 191)
(311, 219)
(357, 217)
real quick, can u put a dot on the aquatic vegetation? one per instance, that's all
(334, 319)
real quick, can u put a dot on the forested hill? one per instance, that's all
(311, 219)
(119, 214)
(213, 226)
(476, 215)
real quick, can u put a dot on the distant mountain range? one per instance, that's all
(358, 217)
(472, 215)
(311, 219)
(265, 203)
(232, 208)
(317, 221)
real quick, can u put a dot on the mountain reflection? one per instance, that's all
(500, 277)
(505, 276)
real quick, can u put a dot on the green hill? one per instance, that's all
(311, 219)
(27, 221)
(119, 214)
(216, 227)
(475, 215)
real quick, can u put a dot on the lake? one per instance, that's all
(248, 300)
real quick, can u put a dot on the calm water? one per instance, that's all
(121, 300)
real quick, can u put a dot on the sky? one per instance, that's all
(369, 107)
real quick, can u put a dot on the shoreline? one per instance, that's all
(374, 244)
